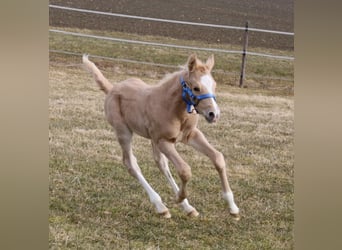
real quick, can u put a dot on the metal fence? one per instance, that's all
(244, 52)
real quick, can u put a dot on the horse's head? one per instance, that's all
(201, 86)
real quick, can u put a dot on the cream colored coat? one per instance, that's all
(159, 113)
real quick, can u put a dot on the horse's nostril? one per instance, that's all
(211, 114)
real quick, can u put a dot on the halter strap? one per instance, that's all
(190, 101)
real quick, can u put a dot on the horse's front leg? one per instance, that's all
(163, 165)
(200, 143)
(183, 169)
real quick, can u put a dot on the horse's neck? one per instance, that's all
(171, 94)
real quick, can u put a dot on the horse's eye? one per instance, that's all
(196, 89)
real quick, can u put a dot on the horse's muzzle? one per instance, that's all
(211, 117)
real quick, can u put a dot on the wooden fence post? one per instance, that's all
(243, 65)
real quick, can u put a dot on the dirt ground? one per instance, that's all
(263, 14)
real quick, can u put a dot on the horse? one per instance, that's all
(166, 113)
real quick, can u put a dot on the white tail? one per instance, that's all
(101, 81)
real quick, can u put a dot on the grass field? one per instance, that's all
(96, 204)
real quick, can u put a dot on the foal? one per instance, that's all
(166, 113)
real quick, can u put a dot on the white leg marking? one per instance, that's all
(185, 204)
(229, 197)
(153, 195)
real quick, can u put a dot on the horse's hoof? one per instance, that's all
(236, 217)
(165, 214)
(193, 213)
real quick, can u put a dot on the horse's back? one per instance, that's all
(133, 83)
(128, 100)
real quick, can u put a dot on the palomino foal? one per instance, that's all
(166, 113)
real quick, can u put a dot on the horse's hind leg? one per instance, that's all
(125, 139)
(163, 165)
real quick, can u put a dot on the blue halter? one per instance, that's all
(193, 100)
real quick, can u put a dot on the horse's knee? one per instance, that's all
(160, 160)
(185, 173)
(219, 162)
(132, 170)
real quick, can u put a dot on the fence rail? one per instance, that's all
(115, 59)
(114, 39)
(163, 65)
(169, 21)
(167, 45)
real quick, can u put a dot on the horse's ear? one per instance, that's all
(192, 62)
(210, 62)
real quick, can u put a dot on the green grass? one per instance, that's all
(96, 204)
